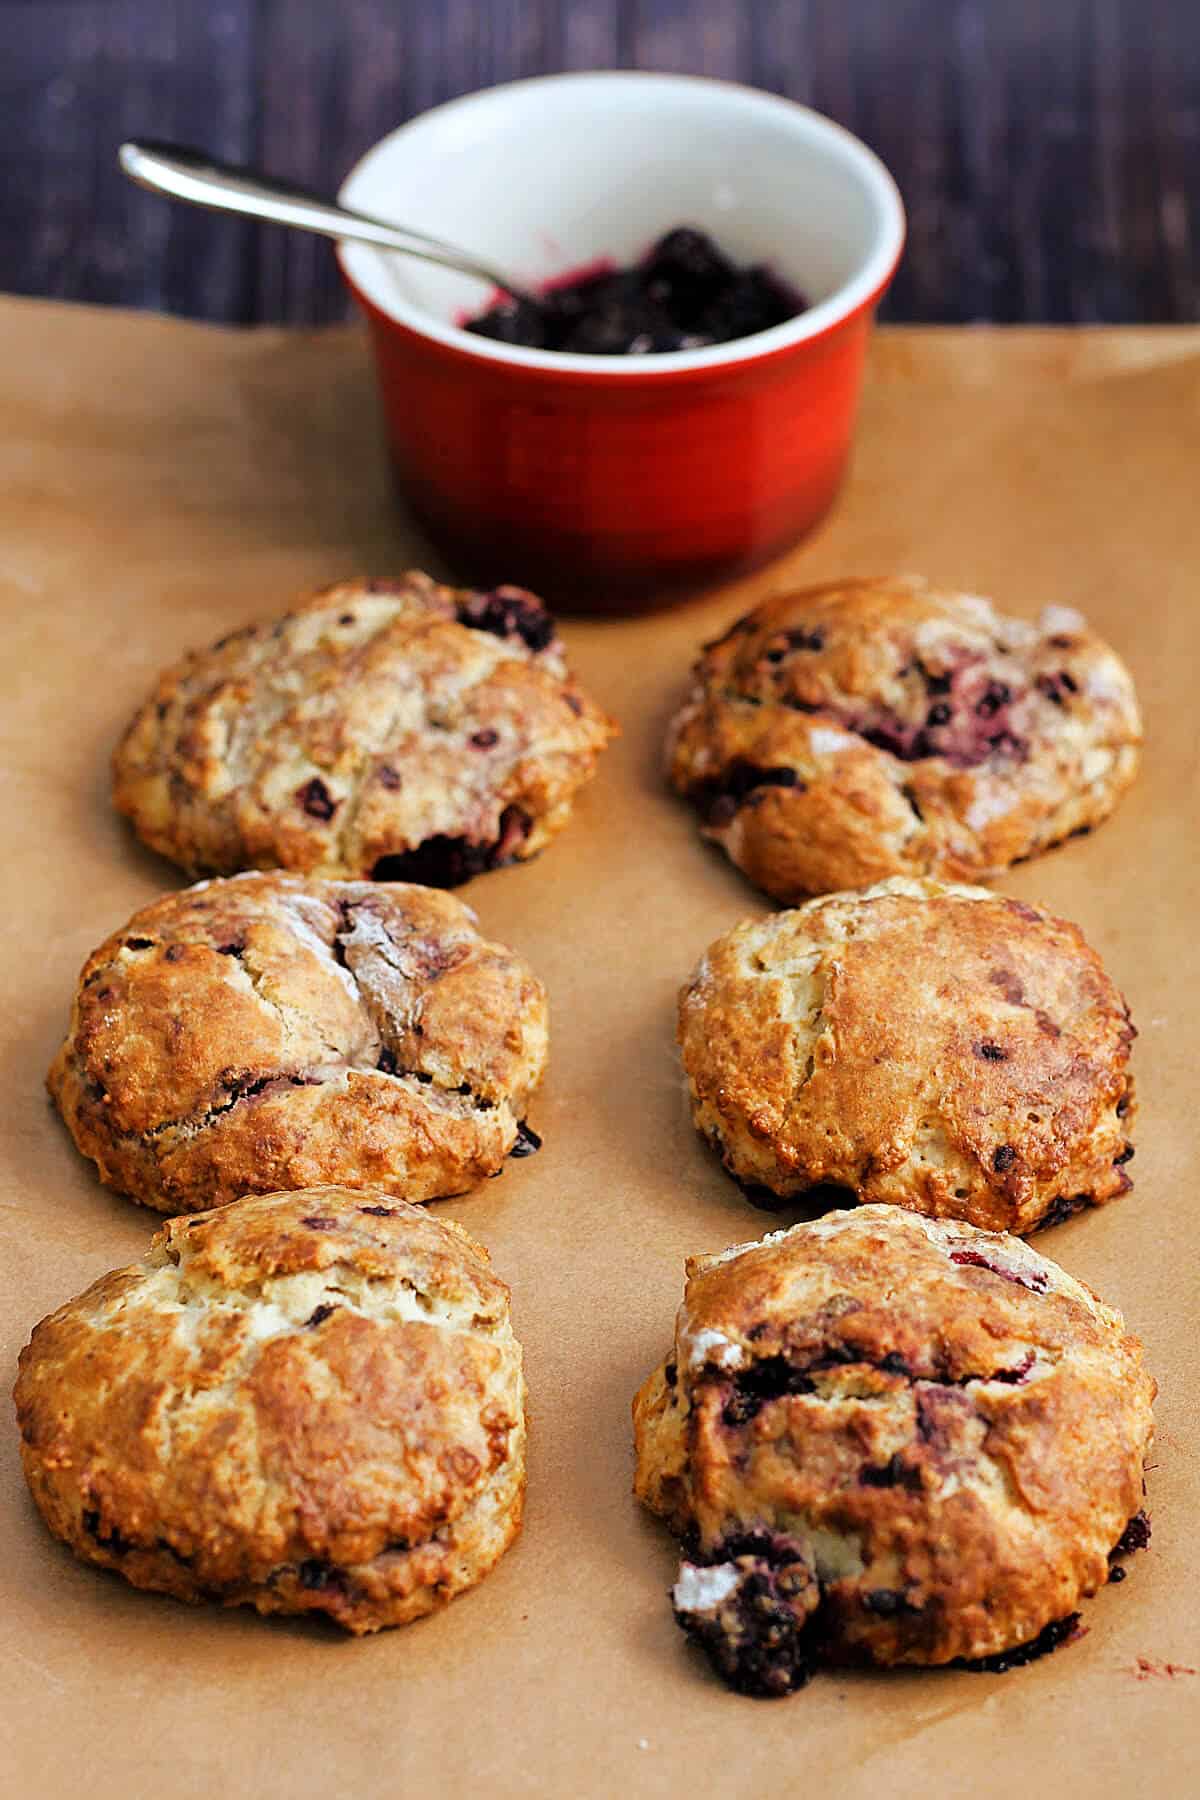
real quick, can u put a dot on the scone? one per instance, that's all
(937, 1047)
(885, 1439)
(272, 1032)
(305, 1402)
(846, 733)
(388, 730)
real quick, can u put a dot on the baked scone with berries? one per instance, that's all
(267, 1031)
(308, 1402)
(862, 729)
(930, 1045)
(887, 1439)
(383, 730)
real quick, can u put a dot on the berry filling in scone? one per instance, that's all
(749, 1608)
(447, 862)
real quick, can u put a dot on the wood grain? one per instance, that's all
(1048, 150)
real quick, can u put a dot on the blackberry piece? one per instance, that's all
(508, 612)
(512, 322)
(750, 1615)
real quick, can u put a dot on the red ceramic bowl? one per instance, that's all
(607, 482)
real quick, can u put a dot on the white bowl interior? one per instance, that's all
(547, 175)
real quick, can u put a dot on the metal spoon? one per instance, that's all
(192, 176)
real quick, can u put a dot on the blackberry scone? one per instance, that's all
(387, 730)
(934, 1046)
(886, 1439)
(306, 1403)
(267, 1032)
(849, 732)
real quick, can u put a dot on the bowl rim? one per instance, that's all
(359, 262)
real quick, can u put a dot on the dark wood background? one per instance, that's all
(1048, 150)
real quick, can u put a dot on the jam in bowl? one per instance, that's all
(683, 294)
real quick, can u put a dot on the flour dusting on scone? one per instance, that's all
(268, 1031)
(306, 1403)
(384, 730)
(862, 729)
(929, 1045)
(928, 1448)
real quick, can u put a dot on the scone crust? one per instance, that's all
(268, 1031)
(938, 1432)
(852, 731)
(381, 730)
(929, 1045)
(306, 1402)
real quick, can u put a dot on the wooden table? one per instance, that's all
(1048, 150)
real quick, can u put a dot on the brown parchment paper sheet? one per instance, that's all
(162, 482)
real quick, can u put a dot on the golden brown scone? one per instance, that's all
(849, 732)
(268, 1031)
(305, 1402)
(937, 1047)
(888, 1439)
(389, 730)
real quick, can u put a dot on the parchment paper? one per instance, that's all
(161, 482)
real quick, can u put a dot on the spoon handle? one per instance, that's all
(226, 187)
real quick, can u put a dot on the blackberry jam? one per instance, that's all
(684, 294)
